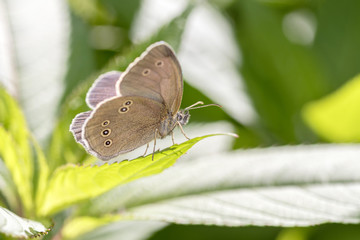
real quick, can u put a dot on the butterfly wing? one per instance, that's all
(156, 75)
(121, 124)
(77, 125)
(103, 88)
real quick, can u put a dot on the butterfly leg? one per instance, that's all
(156, 130)
(147, 147)
(182, 130)
(172, 137)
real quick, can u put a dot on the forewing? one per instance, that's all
(156, 74)
(122, 124)
(103, 88)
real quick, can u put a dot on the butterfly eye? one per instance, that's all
(105, 123)
(179, 117)
(106, 132)
(159, 63)
(123, 109)
(146, 72)
(108, 143)
(128, 103)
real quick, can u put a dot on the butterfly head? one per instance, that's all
(183, 117)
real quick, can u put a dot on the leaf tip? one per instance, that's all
(231, 134)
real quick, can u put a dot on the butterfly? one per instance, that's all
(132, 108)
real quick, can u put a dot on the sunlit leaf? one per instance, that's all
(15, 226)
(12, 119)
(336, 117)
(294, 234)
(8, 189)
(11, 154)
(131, 230)
(42, 174)
(81, 225)
(279, 186)
(71, 184)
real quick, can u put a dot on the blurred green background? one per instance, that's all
(263, 60)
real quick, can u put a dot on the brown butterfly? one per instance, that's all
(132, 108)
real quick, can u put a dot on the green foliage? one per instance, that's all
(15, 150)
(336, 42)
(17, 156)
(62, 141)
(78, 226)
(14, 162)
(71, 184)
(85, 60)
(302, 93)
(336, 117)
(280, 76)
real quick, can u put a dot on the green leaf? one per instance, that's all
(15, 226)
(278, 186)
(11, 154)
(42, 174)
(13, 120)
(71, 184)
(336, 117)
(131, 230)
(8, 192)
(78, 226)
(15, 150)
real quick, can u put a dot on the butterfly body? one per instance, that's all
(132, 108)
(168, 124)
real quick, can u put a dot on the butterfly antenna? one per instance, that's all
(200, 103)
